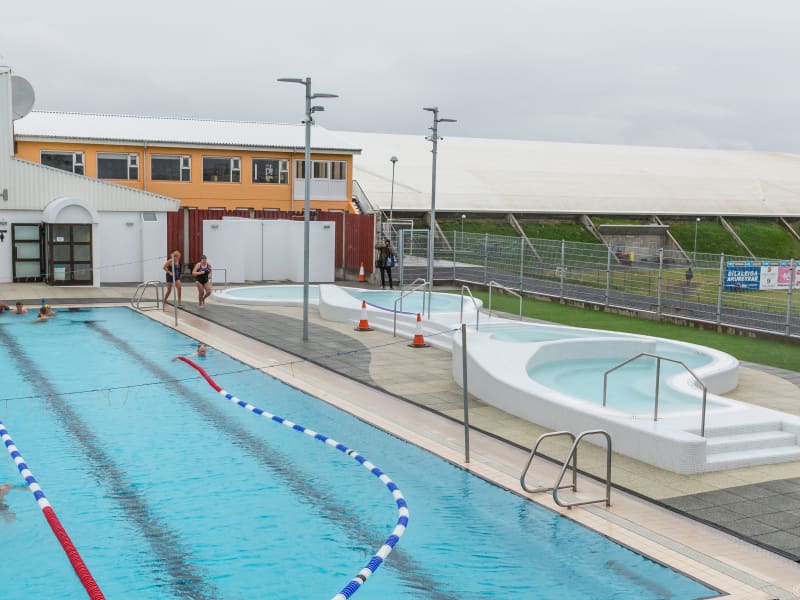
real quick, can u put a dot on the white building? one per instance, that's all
(68, 229)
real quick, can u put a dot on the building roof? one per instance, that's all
(174, 131)
(491, 175)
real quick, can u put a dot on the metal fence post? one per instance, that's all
(455, 237)
(720, 287)
(401, 246)
(464, 386)
(563, 269)
(608, 275)
(660, 279)
(792, 267)
(485, 258)
(521, 262)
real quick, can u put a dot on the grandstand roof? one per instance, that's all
(176, 131)
(491, 175)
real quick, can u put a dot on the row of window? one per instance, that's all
(173, 167)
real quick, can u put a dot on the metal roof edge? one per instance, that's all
(173, 144)
(93, 181)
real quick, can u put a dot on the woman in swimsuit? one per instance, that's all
(202, 279)
(175, 260)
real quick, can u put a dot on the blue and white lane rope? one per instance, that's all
(81, 570)
(402, 508)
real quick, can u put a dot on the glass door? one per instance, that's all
(70, 254)
(28, 252)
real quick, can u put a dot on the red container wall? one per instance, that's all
(174, 232)
(359, 242)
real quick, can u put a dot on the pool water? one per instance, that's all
(526, 332)
(412, 302)
(631, 389)
(169, 491)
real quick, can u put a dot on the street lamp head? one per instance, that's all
(292, 80)
(446, 121)
(698, 219)
(394, 159)
(431, 108)
(463, 217)
(317, 108)
(323, 95)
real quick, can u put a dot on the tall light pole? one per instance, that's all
(694, 252)
(310, 110)
(434, 137)
(394, 160)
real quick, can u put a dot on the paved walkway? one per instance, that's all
(761, 504)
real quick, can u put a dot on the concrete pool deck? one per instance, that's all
(423, 377)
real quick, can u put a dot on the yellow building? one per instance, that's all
(203, 163)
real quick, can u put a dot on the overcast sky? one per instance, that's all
(694, 73)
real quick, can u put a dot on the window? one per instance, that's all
(320, 170)
(323, 169)
(338, 169)
(222, 168)
(170, 167)
(66, 161)
(270, 170)
(117, 166)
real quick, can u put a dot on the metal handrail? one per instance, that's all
(527, 466)
(416, 285)
(474, 303)
(658, 381)
(141, 289)
(494, 284)
(225, 279)
(572, 452)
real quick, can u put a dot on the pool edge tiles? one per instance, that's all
(438, 435)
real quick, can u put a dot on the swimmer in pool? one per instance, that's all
(5, 510)
(201, 351)
(19, 309)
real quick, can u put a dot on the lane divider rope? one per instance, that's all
(391, 310)
(402, 508)
(81, 570)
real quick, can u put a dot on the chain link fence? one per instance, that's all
(715, 288)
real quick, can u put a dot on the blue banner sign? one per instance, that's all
(742, 276)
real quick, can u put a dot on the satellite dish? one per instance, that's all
(22, 97)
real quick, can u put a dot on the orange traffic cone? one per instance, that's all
(361, 275)
(419, 340)
(363, 324)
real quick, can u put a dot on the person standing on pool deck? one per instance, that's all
(175, 260)
(385, 262)
(202, 279)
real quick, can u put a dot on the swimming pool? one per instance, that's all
(412, 303)
(630, 390)
(170, 492)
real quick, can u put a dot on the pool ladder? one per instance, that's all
(141, 290)
(572, 456)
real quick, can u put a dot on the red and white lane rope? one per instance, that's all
(402, 508)
(81, 570)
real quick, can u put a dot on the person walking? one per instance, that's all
(202, 279)
(174, 262)
(385, 262)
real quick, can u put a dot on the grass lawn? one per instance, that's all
(765, 352)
